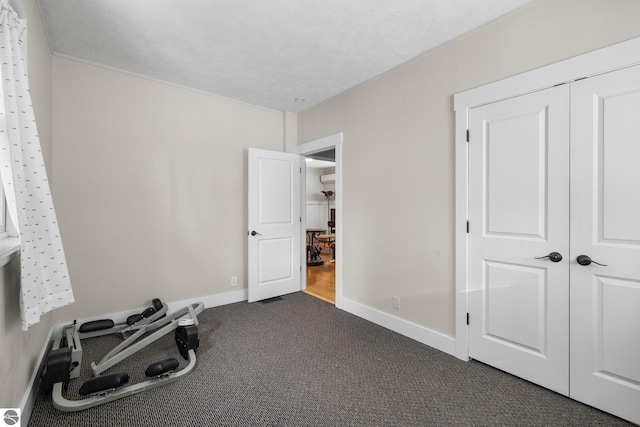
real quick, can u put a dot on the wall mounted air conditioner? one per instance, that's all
(328, 179)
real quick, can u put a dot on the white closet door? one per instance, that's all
(605, 215)
(519, 211)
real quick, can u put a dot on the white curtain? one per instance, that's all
(45, 283)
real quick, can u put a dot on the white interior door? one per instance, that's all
(274, 224)
(518, 212)
(605, 211)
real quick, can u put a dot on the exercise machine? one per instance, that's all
(64, 360)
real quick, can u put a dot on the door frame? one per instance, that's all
(316, 146)
(604, 60)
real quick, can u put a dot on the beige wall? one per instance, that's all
(150, 185)
(399, 230)
(20, 351)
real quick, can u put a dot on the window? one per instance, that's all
(3, 213)
(9, 242)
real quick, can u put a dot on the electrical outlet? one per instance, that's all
(396, 303)
(234, 281)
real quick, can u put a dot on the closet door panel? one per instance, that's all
(518, 212)
(618, 161)
(605, 226)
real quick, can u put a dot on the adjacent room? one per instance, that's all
(320, 208)
(352, 213)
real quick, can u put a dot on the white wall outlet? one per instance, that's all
(234, 281)
(396, 303)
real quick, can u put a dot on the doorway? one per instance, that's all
(320, 225)
(324, 207)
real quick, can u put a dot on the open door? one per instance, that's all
(274, 222)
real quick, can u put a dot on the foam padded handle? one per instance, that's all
(148, 312)
(134, 318)
(96, 325)
(105, 382)
(159, 368)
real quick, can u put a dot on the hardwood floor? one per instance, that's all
(321, 280)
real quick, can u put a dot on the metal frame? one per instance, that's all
(131, 345)
(62, 404)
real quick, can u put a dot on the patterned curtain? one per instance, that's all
(45, 283)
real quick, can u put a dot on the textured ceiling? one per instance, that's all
(263, 52)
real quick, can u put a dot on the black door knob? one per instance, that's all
(583, 259)
(553, 256)
(586, 260)
(255, 233)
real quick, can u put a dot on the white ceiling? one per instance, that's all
(263, 52)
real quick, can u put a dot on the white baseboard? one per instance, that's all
(212, 300)
(29, 398)
(208, 301)
(419, 333)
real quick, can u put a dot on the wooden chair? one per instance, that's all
(329, 239)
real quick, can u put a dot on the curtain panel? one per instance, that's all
(45, 283)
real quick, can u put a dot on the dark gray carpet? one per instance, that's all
(302, 362)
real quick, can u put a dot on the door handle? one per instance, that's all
(553, 256)
(255, 233)
(586, 260)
